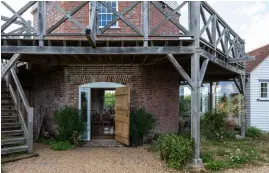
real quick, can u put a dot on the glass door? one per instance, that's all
(84, 107)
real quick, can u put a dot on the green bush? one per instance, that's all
(70, 125)
(185, 106)
(213, 125)
(109, 100)
(215, 165)
(207, 157)
(242, 157)
(59, 146)
(175, 150)
(141, 123)
(253, 132)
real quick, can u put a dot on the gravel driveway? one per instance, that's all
(90, 159)
(98, 159)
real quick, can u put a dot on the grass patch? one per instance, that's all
(232, 153)
(56, 145)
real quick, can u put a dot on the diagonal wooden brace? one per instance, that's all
(10, 63)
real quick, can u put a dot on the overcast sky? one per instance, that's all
(250, 19)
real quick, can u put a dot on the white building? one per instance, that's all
(257, 89)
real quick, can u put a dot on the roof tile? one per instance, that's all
(260, 54)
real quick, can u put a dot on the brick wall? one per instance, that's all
(154, 87)
(134, 17)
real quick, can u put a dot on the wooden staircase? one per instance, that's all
(13, 138)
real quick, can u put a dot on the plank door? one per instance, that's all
(122, 114)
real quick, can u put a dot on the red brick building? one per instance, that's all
(154, 86)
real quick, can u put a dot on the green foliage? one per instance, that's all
(59, 146)
(253, 132)
(70, 125)
(207, 157)
(109, 100)
(185, 106)
(141, 123)
(213, 125)
(215, 165)
(175, 150)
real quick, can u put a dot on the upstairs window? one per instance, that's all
(105, 15)
(264, 89)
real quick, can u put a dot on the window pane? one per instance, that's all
(113, 4)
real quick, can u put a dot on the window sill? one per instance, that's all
(113, 28)
(263, 100)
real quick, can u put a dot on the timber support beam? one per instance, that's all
(10, 64)
(194, 25)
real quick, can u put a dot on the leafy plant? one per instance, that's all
(241, 157)
(207, 157)
(185, 106)
(109, 100)
(141, 123)
(58, 146)
(213, 125)
(175, 150)
(215, 165)
(253, 132)
(69, 124)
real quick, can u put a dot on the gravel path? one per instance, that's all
(256, 169)
(90, 159)
(98, 159)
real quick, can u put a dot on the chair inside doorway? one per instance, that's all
(102, 113)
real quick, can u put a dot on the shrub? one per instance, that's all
(253, 132)
(242, 157)
(207, 157)
(141, 123)
(185, 106)
(175, 150)
(70, 125)
(213, 125)
(215, 165)
(58, 146)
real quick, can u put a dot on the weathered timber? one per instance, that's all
(180, 70)
(46, 50)
(10, 63)
(203, 71)
(242, 59)
(14, 17)
(64, 18)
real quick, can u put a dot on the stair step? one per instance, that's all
(7, 103)
(9, 141)
(10, 125)
(16, 149)
(6, 97)
(8, 113)
(7, 110)
(7, 107)
(9, 118)
(12, 132)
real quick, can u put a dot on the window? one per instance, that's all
(105, 15)
(264, 89)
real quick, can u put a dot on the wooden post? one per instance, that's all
(211, 96)
(30, 141)
(194, 25)
(28, 29)
(41, 21)
(145, 14)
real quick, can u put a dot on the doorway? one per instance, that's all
(97, 102)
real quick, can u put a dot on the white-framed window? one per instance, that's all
(264, 90)
(105, 15)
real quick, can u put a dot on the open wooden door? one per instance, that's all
(122, 114)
